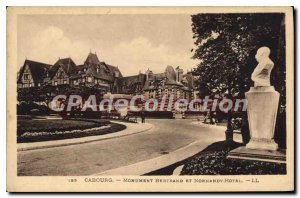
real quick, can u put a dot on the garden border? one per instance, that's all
(130, 130)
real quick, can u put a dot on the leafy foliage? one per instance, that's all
(213, 161)
(48, 92)
(226, 46)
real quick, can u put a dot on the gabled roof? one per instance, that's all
(67, 64)
(103, 73)
(128, 80)
(159, 76)
(101, 70)
(38, 70)
(92, 59)
(114, 69)
(190, 80)
(171, 75)
(129, 84)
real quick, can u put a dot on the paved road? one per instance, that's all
(95, 157)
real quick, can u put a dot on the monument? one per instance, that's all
(262, 104)
(262, 108)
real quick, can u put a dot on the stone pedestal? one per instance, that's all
(243, 153)
(262, 110)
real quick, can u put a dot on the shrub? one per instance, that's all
(213, 161)
(32, 109)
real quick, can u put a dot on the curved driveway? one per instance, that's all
(95, 157)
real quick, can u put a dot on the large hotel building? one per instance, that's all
(108, 78)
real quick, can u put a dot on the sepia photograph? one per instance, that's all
(156, 99)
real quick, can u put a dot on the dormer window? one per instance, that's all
(89, 79)
(98, 69)
(26, 76)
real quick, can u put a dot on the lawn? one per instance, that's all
(45, 130)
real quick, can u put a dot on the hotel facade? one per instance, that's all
(108, 78)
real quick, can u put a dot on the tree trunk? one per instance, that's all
(245, 128)
(229, 130)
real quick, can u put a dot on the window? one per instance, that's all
(96, 81)
(55, 83)
(39, 84)
(26, 76)
(65, 82)
(60, 74)
(89, 79)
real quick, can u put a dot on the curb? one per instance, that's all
(75, 141)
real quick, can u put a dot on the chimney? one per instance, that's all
(179, 74)
(149, 74)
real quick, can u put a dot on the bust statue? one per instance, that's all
(262, 105)
(261, 74)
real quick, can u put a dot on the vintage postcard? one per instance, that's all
(150, 99)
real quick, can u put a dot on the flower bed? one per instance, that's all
(55, 125)
(34, 134)
(45, 130)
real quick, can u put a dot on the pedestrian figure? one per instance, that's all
(143, 116)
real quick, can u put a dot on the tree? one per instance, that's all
(226, 47)
(31, 94)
